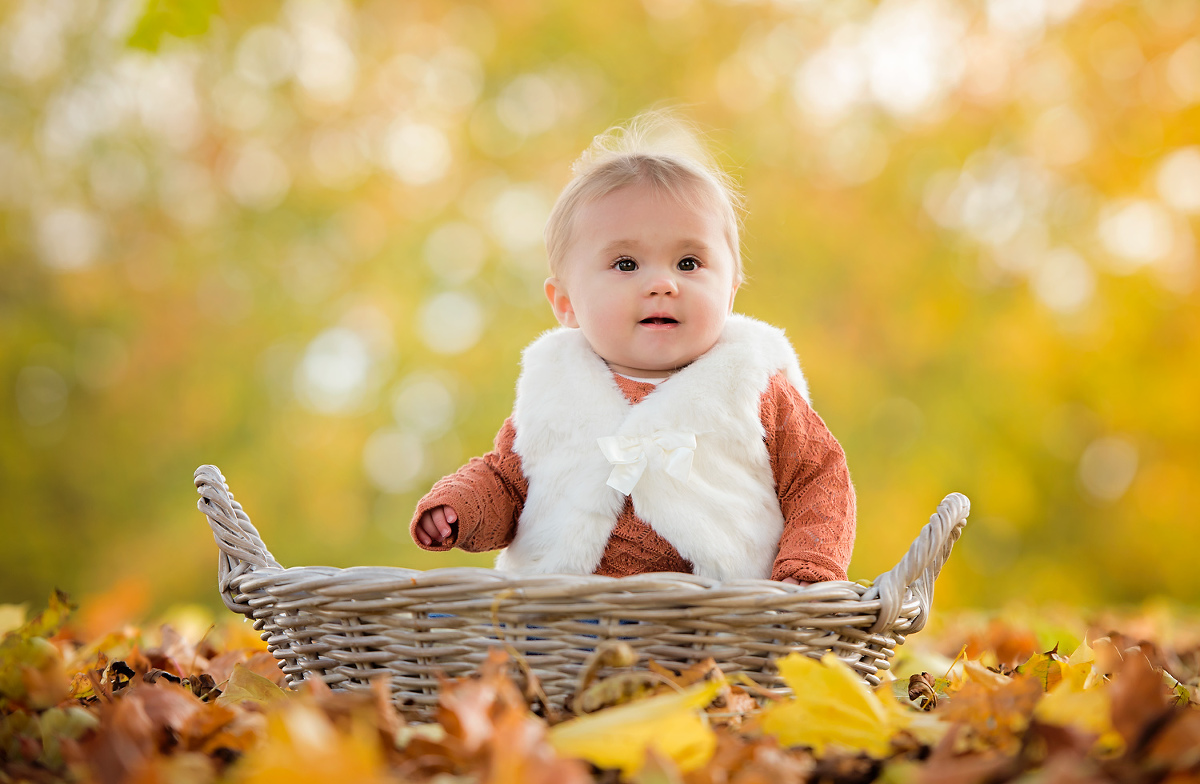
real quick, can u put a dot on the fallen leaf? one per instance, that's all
(1139, 701)
(619, 737)
(1069, 704)
(245, 685)
(1046, 668)
(995, 708)
(831, 707)
(31, 667)
(303, 746)
(921, 690)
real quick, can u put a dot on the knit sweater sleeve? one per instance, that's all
(814, 488)
(487, 494)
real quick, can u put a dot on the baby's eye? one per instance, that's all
(688, 264)
(626, 265)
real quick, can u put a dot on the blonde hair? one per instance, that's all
(656, 148)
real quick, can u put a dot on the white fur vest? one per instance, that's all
(725, 518)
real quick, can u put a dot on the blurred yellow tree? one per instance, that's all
(303, 243)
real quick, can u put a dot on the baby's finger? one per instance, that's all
(428, 528)
(439, 520)
(422, 537)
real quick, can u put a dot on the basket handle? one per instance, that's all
(242, 549)
(921, 565)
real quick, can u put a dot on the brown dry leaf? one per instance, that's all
(489, 735)
(921, 690)
(521, 754)
(699, 671)
(345, 707)
(739, 759)
(947, 766)
(1139, 701)
(1177, 746)
(733, 700)
(217, 726)
(134, 731)
(467, 708)
(995, 708)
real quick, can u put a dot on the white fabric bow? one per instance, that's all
(629, 456)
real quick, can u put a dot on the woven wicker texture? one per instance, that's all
(347, 626)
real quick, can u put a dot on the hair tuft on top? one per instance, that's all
(658, 148)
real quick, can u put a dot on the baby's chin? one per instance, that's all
(661, 369)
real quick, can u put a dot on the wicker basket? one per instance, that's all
(348, 626)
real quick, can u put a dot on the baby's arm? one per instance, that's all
(478, 505)
(813, 483)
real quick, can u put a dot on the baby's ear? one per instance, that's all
(560, 301)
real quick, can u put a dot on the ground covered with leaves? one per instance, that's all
(978, 700)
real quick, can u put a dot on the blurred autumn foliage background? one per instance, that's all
(301, 240)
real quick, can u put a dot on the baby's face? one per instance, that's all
(649, 281)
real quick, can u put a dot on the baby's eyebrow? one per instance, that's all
(683, 245)
(617, 245)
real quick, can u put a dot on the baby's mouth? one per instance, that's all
(658, 320)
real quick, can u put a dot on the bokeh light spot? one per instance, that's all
(325, 64)
(914, 54)
(1114, 52)
(1136, 232)
(257, 177)
(1061, 136)
(832, 81)
(265, 56)
(1107, 468)
(451, 322)
(856, 154)
(417, 153)
(338, 157)
(424, 405)
(455, 252)
(69, 237)
(1178, 179)
(1183, 72)
(528, 105)
(393, 459)
(517, 217)
(1063, 281)
(333, 373)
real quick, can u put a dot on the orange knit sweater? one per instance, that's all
(811, 479)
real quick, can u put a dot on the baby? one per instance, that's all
(655, 430)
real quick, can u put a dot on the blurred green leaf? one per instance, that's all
(178, 18)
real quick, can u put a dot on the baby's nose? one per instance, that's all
(660, 286)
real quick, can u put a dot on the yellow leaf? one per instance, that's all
(619, 737)
(244, 684)
(1047, 670)
(1070, 704)
(304, 747)
(832, 706)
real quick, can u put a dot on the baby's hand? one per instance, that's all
(794, 581)
(435, 526)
